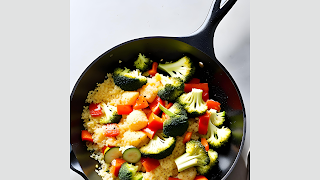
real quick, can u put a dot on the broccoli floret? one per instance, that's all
(217, 137)
(110, 114)
(159, 147)
(176, 125)
(195, 155)
(172, 89)
(213, 155)
(177, 108)
(142, 63)
(128, 80)
(183, 68)
(217, 118)
(193, 102)
(128, 171)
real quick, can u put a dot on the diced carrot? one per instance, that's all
(111, 130)
(141, 103)
(200, 177)
(86, 136)
(204, 142)
(115, 166)
(124, 109)
(187, 137)
(150, 164)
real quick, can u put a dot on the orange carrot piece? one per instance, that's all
(187, 137)
(204, 142)
(86, 136)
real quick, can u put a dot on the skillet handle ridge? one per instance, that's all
(202, 38)
(74, 164)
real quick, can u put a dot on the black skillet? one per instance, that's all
(199, 47)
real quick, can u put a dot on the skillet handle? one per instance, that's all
(74, 164)
(202, 38)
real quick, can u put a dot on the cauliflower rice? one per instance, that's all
(111, 94)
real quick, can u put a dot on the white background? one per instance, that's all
(96, 26)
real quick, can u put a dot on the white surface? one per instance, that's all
(99, 25)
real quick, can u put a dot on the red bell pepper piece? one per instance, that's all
(95, 109)
(188, 87)
(172, 178)
(194, 81)
(153, 70)
(213, 105)
(112, 130)
(200, 177)
(141, 103)
(150, 132)
(155, 122)
(187, 137)
(86, 136)
(204, 86)
(154, 106)
(124, 109)
(115, 166)
(203, 123)
(149, 163)
(204, 142)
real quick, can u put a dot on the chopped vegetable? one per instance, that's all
(172, 178)
(150, 164)
(205, 143)
(204, 86)
(200, 177)
(159, 147)
(203, 123)
(111, 154)
(129, 172)
(86, 136)
(131, 154)
(213, 105)
(116, 165)
(153, 70)
(150, 132)
(217, 137)
(141, 103)
(195, 155)
(194, 81)
(183, 68)
(155, 122)
(154, 106)
(111, 130)
(172, 88)
(95, 109)
(124, 109)
(110, 114)
(193, 102)
(187, 137)
(204, 170)
(176, 125)
(217, 119)
(142, 63)
(128, 80)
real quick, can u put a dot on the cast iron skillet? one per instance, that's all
(199, 47)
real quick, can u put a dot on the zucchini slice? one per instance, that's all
(131, 154)
(111, 154)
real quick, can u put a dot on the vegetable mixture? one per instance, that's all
(154, 121)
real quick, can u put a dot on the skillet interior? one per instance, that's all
(221, 88)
